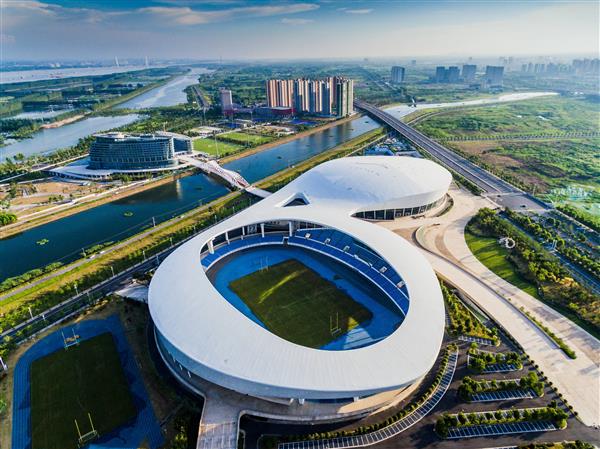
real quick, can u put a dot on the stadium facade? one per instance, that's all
(201, 336)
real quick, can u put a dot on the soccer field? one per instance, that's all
(296, 303)
(67, 385)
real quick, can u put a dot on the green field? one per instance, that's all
(219, 148)
(243, 138)
(493, 256)
(68, 384)
(297, 304)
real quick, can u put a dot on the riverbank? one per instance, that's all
(266, 146)
(62, 211)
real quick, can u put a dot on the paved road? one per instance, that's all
(502, 192)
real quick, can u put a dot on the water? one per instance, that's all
(48, 140)
(20, 76)
(169, 94)
(67, 236)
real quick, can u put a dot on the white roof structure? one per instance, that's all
(212, 339)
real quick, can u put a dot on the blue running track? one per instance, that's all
(130, 436)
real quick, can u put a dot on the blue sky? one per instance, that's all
(242, 29)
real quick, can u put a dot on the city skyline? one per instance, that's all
(289, 30)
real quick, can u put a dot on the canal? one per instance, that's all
(122, 218)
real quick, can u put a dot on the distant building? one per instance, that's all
(398, 74)
(468, 72)
(280, 93)
(453, 74)
(226, 101)
(494, 75)
(441, 74)
(316, 96)
(344, 97)
(118, 151)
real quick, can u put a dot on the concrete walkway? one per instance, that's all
(442, 242)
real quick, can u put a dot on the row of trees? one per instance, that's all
(533, 263)
(551, 413)
(581, 258)
(470, 386)
(581, 216)
(10, 283)
(479, 361)
(7, 218)
(463, 321)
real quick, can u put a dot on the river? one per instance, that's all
(67, 236)
(48, 140)
(52, 139)
(169, 94)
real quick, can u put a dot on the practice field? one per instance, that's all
(67, 385)
(297, 304)
(244, 138)
(218, 148)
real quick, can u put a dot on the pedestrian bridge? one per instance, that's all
(232, 178)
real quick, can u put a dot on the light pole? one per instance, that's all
(112, 271)
(76, 291)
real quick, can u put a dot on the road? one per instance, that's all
(499, 190)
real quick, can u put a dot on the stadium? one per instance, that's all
(300, 298)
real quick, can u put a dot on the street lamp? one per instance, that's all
(112, 270)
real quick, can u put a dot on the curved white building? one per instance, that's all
(202, 334)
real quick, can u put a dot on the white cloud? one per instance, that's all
(289, 21)
(358, 11)
(184, 15)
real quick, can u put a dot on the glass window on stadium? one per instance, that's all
(390, 214)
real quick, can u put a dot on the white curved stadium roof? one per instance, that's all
(211, 338)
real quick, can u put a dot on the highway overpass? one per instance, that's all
(497, 189)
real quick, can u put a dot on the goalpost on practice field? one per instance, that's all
(334, 327)
(88, 436)
(70, 341)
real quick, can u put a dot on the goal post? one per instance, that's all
(85, 438)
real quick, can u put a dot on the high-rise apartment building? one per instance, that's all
(494, 75)
(453, 74)
(318, 96)
(398, 74)
(226, 101)
(468, 72)
(280, 93)
(344, 97)
(440, 74)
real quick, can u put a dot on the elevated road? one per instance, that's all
(501, 191)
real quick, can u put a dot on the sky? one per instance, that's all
(260, 29)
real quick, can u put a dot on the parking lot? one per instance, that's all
(478, 340)
(502, 395)
(499, 429)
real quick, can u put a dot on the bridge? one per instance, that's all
(230, 177)
(503, 192)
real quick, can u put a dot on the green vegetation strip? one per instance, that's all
(555, 338)
(550, 413)
(463, 321)
(470, 386)
(528, 263)
(480, 361)
(69, 384)
(581, 216)
(297, 304)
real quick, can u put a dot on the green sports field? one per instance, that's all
(297, 304)
(218, 148)
(67, 385)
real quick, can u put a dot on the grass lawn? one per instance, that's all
(296, 303)
(245, 138)
(221, 148)
(67, 385)
(493, 256)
